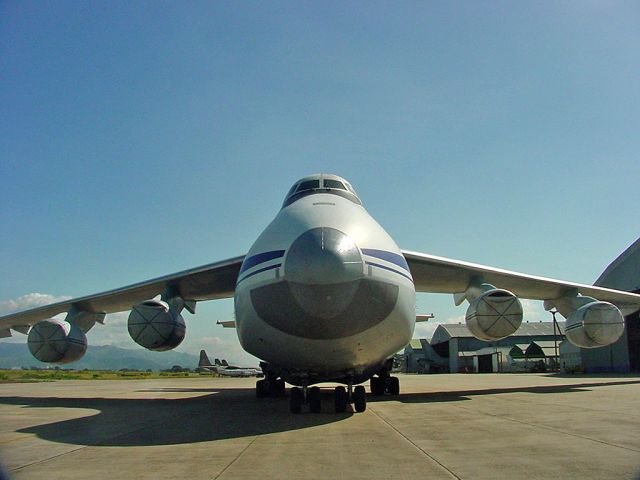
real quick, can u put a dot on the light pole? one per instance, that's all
(555, 339)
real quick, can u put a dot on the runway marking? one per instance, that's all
(48, 458)
(237, 457)
(416, 446)
(24, 436)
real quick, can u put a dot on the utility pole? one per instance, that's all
(555, 339)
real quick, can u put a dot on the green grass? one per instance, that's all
(18, 376)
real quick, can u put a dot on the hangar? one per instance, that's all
(534, 347)
(623, 355)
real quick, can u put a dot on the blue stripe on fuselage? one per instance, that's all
(384, 267)
(270, 267)
(260, 258)
(390, 257)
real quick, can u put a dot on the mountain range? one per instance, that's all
(17, 355)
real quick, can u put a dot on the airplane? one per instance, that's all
(324, 295)
(223, 368)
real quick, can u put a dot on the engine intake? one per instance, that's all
(54, 341)
(494, 314)
(156, 326)
(595, 324)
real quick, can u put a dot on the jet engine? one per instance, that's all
(156, 326)
(55, 341)
(594, 324)
(494, 314)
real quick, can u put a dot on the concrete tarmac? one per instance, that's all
(441, 426)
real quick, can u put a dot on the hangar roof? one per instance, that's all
(622, 274)
(447, 331)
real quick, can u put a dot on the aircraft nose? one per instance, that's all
(323, 256)
(326, 293)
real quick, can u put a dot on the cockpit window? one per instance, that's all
(291, 190)
(308, 185)
(329, 186)
(328, 183)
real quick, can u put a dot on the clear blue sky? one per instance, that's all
(142, 138)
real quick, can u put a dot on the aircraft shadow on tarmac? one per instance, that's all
(218, 414)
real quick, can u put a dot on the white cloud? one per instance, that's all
(534, 311)
(30, 300)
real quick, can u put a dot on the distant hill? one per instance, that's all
(104, 357)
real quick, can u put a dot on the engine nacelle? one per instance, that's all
(55, 341)
(155, 326)
(595, 324)
(494, 314)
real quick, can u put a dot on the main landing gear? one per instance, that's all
(384, 384)
(298, 397)
(270, 387)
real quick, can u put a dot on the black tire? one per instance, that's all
(376, 385)
(340, 399)
(359, 399)
(262, 388)
(296, 398)
(279, 388)
(394, 386)
(315, 400)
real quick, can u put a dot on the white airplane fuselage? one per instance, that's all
(238, 372)
(324, 293)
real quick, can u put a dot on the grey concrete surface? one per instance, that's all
(441, 426)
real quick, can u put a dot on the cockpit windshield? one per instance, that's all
(328, 183)
(320, 184)
(308, 185)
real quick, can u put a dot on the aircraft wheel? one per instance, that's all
(394, 386)
(262, 388)
(278, 388)
(340, 399)
(296, 398)
(359, 399)
(315, 401)
(376, 385)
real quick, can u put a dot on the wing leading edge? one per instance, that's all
(443, 275)
(217, 280)
(208, 282)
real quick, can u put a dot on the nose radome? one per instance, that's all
(323, 256)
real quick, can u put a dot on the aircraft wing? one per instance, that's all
(208, 282)
(443, 275)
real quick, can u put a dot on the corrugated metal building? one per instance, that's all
(453, 348)
(623, 355)
(535, 342)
